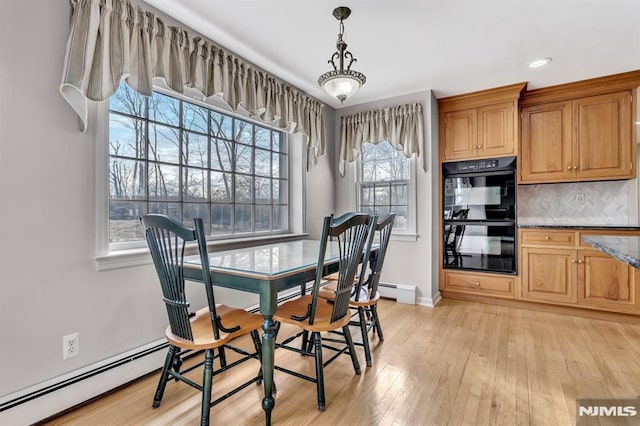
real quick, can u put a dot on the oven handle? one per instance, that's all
(480, 222)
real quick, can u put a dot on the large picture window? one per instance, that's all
(385, 183)
(185, 160)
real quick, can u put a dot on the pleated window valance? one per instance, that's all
(114, 39)
(402, 126)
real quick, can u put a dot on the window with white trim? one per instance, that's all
(183, 159)
(385, 185)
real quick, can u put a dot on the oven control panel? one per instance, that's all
(481, 165)
(468, 166)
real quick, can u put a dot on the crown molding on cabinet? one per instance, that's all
(593, 86)
(482, 97)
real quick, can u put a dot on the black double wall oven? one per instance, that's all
(479, 208)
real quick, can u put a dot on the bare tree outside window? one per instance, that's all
(171, 156)
(384, 182)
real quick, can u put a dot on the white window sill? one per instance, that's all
(404, 237)
(140, 256)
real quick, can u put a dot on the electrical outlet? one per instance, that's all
(580, 198)
(70, 345)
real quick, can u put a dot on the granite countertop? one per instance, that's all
(626, 249)
(594, 227)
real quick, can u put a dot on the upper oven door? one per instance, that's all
(482, 196)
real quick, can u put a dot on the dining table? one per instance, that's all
(266, 270)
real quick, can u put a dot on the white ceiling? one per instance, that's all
(405, 46)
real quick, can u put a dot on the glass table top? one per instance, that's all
(269, 260)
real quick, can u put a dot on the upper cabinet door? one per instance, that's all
(461, 134)
(497, 134)
(546, 150)
(603, 136)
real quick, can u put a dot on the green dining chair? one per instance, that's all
(365, 297)
(208, 330)
(313, 314)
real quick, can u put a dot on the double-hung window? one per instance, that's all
(386, 185)
(184, 159)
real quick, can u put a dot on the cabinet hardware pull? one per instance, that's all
(580, 261)
(479, 146)
(568, 167)
(573, 261)
(547, 237)
(477, 284)
(575, 167)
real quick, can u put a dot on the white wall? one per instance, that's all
(320, 182)
(415, 262)
(49, 284)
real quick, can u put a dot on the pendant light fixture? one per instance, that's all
(342, 82)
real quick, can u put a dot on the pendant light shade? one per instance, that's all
(342, 87)
(341, 83)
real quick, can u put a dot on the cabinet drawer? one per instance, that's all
(550, 238)
(496, 286)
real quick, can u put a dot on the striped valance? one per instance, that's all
(402, 126)
(114, 39)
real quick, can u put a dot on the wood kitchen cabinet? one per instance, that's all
(460, 135)
(606, 282)
(546, 153)
(480, 124)
(549, 275)
(479, 283)
(602, 137)
(556, 267)
(580, 131)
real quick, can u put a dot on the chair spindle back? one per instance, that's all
(383, 229)
(167, 240)
(353, 233)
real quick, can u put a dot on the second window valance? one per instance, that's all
(402, 126)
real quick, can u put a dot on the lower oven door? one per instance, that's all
(480, 247)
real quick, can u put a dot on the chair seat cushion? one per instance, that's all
(299, 306)
(203, 331)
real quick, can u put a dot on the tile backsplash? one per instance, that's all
(605, 203)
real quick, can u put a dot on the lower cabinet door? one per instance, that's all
(605, 282)
(549, 275)
(490, 285)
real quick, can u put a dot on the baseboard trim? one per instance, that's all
(430, 301)
(545, 307)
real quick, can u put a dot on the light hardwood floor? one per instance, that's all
(459, 363)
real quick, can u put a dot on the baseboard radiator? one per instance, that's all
(41, 401)
(401, 293)
(46, 399)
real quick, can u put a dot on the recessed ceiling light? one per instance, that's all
(539, 62)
